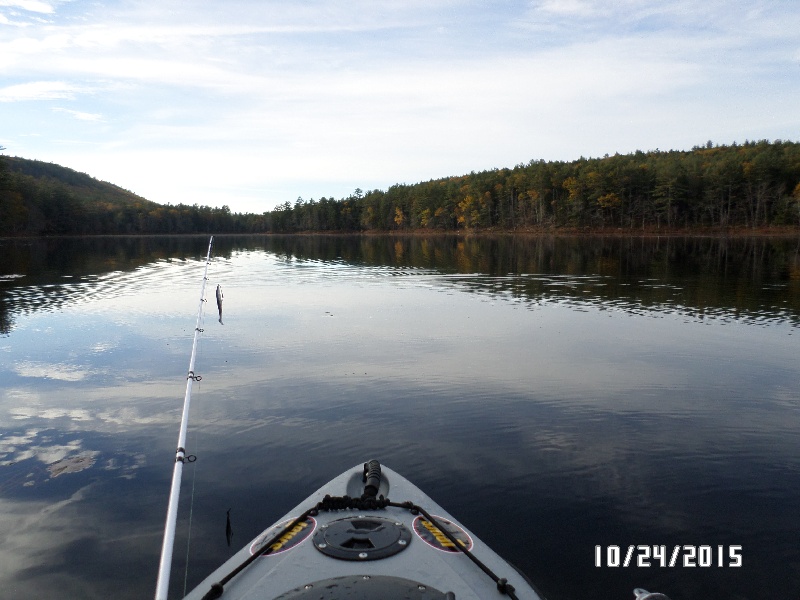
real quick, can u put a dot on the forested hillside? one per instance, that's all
(38, 198)
(753, 185)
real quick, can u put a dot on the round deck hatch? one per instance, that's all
(362, 538)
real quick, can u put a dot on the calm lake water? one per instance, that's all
(554, 394)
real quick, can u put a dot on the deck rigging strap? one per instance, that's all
(165, 565)
(365, 502)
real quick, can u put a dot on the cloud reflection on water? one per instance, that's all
(599, 415)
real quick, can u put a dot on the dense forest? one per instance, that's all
(752, 185)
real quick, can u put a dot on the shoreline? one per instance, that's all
(572, 232)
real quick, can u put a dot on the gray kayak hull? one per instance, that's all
(383, 552)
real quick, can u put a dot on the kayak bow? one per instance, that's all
(348, 540)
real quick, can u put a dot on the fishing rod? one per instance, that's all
(162, 584)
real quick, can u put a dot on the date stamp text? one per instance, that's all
(687, 555)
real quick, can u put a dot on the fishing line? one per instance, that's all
(189, 533)
(198, 407)
(191, 504)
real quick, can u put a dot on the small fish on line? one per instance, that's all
(228, 528)
(219, 303)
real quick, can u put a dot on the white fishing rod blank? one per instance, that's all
(162, 584)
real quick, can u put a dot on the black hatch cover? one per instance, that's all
(362, 538)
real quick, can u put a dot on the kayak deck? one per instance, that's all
(348, 540)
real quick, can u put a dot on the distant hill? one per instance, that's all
(84, 187)
(39, 198)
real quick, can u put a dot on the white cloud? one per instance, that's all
(38, 90)
(59, 371)
(80, 116)
(567, 7)
(28, 526)
(29, 412)
(49, 454)
(10, 443)
(29, 5)
(100, 347)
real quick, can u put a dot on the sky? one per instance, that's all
(252, 103)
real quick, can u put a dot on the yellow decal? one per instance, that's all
(440, 536)
(288, 536)
(437, 533)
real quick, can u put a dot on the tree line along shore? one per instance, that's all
(751, 186)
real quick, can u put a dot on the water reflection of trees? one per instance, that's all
(58, 271)
(752, 278)
(756, 278)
